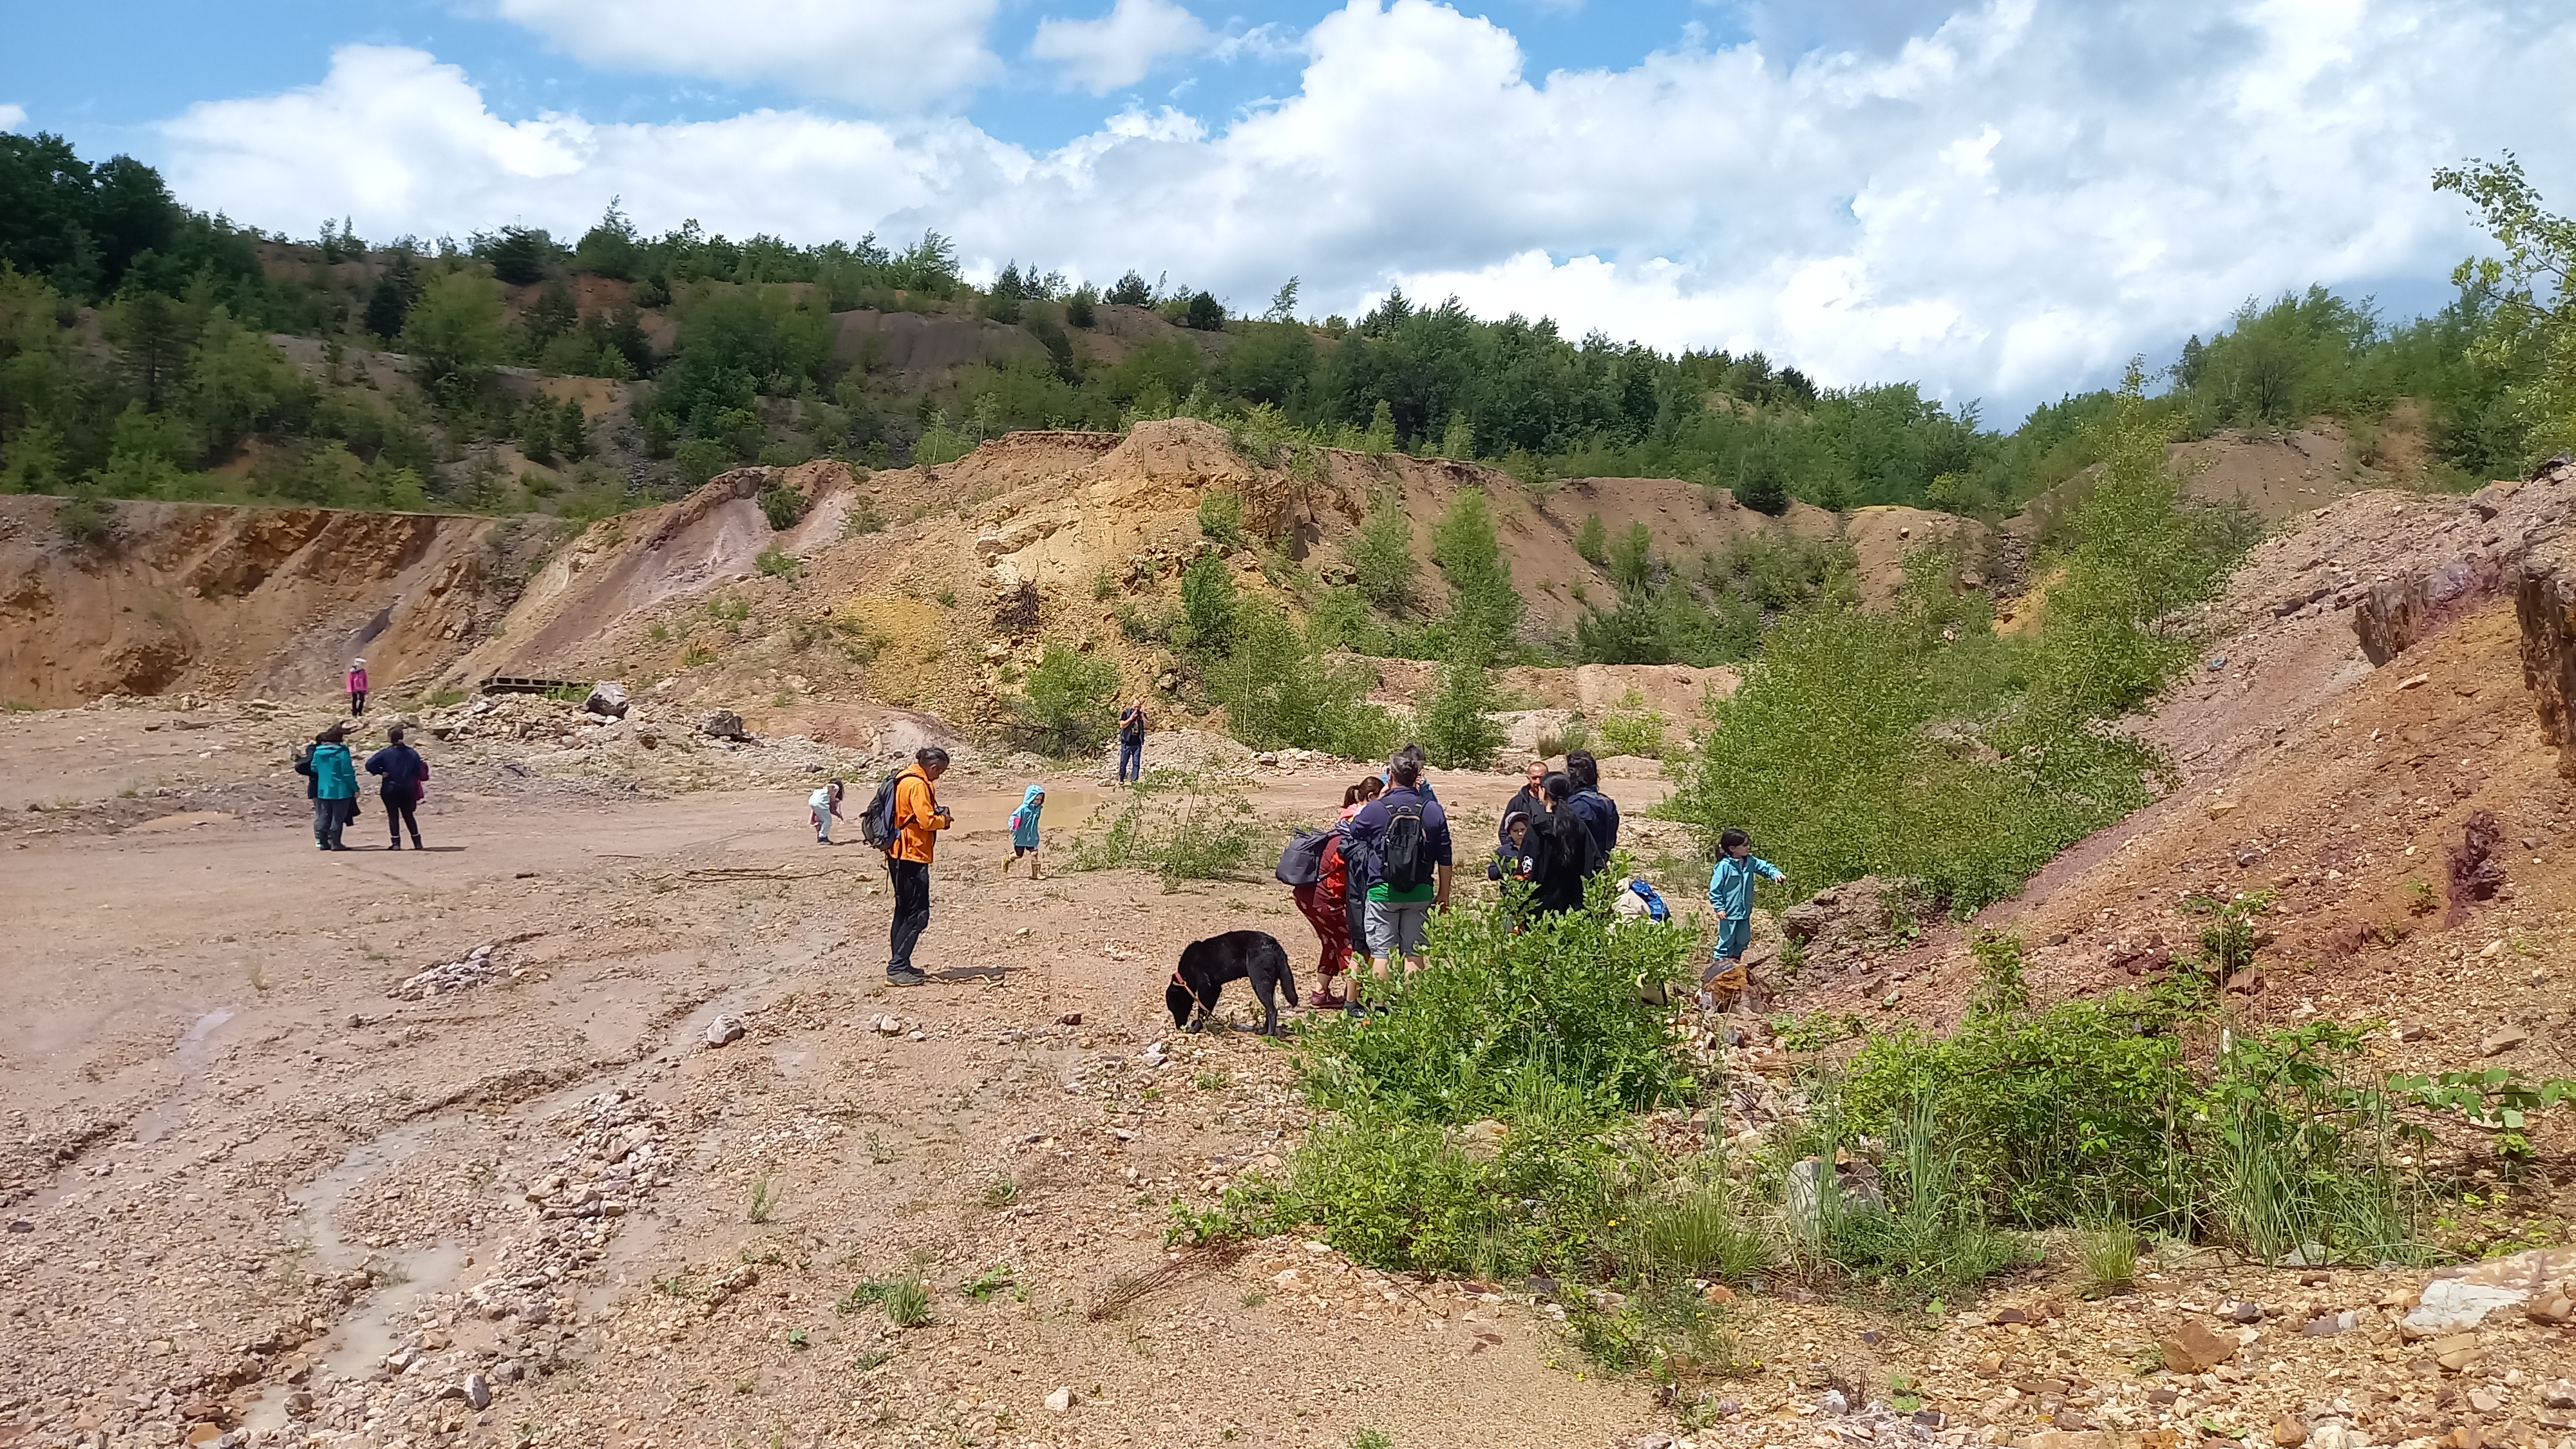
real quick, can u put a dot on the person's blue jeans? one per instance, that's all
(1131, 760)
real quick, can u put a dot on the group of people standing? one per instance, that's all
(1388, 862)
(330, 776)
(1369, 904)
(331, 771)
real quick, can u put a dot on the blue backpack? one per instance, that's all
(1656, 910)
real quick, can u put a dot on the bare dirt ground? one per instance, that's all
(240, 1173)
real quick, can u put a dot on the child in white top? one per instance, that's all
(825, 806)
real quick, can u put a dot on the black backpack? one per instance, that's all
(1404, 853)
(1302, 863)
(876, 823)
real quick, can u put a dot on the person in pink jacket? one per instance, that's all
(357, 687)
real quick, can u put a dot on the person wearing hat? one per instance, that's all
(357, 687)
(334, 787)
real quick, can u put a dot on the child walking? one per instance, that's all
(1730, 891)
(825, 806)
(1024, 830)
(357, 687)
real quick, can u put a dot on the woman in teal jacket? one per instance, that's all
(335, 787)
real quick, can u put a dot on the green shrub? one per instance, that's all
(1207, 609)
(2301, 1145)
(1637, 732)
(1179, 829)
(2049, 1113)
(1914, 742)
(700, 459)
(1383, 568)
(1535, 1027)
(1592, 540)
(783, 506)
(941, 443)
(1280, 693)
(862, 518)
(1402, 1195)
(1500, 995)
(1455, 728)
(1221, 517)
(778, 563)
(1069, 704)
(1485, 609)
(85, 521)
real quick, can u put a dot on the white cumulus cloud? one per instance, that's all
(12, 117)
(2006, 206)
(1121, 47)
(890, 55)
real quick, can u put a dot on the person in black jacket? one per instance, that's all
(404, 773)
(1560, 850)
(1597, 811)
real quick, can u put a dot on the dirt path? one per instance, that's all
(238, 1173)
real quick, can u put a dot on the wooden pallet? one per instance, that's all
(527, 684)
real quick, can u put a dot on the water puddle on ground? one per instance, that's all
(190, 1055)
(404, 1276)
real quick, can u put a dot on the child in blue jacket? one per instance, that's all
(1024, 830)
(1730, 892)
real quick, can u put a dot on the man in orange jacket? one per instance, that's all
(918, 817)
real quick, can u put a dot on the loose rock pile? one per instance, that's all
(482, 964)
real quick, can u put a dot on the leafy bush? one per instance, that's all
(1916, 743)
(1068, 706)
(783, 506)
(862, 518)
(941, 442)
(1221, 517)
(1484, 608)
(1181, 830)
(1281, 693)
(2048, 1112)
(1381, 556)
(1404, 1195)
(1207, 609)
(778, 563)
(1592, 540)
(86, 521)
(1633, 732)
(1536, 1026)
(1455, 728)
(1557, 993)
(700, 459)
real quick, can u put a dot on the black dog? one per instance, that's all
(1207, 965)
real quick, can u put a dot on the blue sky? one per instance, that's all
(2004, 200)
(171, 53)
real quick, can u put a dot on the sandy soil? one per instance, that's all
(249, 1171)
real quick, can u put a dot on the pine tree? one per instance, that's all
(572, 435)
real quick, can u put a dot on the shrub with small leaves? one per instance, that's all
(783, 506)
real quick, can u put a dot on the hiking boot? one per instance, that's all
(905, 976)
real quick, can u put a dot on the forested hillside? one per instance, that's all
(147, 350)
